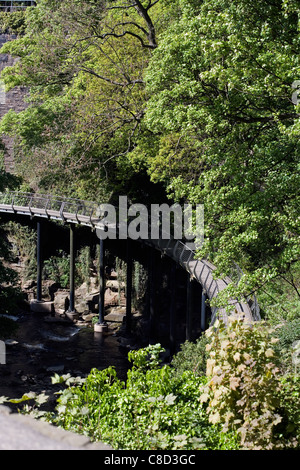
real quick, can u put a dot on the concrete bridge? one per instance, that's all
(78, 212)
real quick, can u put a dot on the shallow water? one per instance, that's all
(39, 349)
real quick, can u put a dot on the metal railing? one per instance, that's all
(51, 206)
(90, 213)
(15, 5)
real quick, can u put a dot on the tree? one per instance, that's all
(8, 276)
(220, 86)
(83, 63)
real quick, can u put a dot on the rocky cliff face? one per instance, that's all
(13, 99)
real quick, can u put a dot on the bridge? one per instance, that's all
(14, 5)
(87, 213)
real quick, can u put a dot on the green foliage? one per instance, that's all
(225, 133)
(289, 397)
(23, 240)
(12, 22)
(244, 383)
(215, 123)
(9, 293)
(154, 409)
(279, 299)
(288, 333)
(191, 357)
(57, 268)
(84, 265)
(139, 284)
(8, 277)
(7, 180)
(250, 405)
(86, 94)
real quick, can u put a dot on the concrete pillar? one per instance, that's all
(38, 305)
(72, 270)
(152, 294)
(128, 285)
(172, 308)
(203, 311)
(101, 325)
(189, 309)
(39, 263)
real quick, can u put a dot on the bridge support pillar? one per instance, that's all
(39, 264)
(128, 285)
(2, 352)
(38, 305)
(172, 336)
(203, 311)
(71, 312)
(152, 294)
(101, 325)
(189, 309)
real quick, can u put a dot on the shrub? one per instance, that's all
(192, 357)
(57, 268)
(289, 396)
(154, 409)
(288, 333)
(244, 383)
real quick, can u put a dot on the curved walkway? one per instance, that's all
(87, 213)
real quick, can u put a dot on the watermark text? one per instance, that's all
(159, 221)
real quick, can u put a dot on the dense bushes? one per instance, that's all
(288, 334)
(155, 409)
(243, 402)
(245, 390)
(192, 356)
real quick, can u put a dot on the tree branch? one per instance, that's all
(143, 12)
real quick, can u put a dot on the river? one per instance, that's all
(41, 348)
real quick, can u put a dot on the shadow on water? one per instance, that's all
(40, 349)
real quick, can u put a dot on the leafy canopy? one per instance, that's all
(83, 63)
(226, 130)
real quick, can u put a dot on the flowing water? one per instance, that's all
(41, 348)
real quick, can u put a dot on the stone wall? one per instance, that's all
(13, 99)
(19, 432)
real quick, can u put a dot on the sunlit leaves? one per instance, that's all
(155, 409)
(244, 382)
(221, 82)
